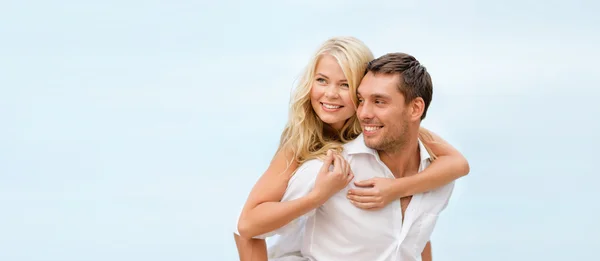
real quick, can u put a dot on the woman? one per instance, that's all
(322, 118)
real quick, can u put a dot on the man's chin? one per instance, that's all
(371, 144)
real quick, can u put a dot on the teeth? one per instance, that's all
(370, 128)
(329, 106)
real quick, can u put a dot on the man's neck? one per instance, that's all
(403, 160)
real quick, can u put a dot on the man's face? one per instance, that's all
(382, 111)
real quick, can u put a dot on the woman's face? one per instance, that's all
(330, 93)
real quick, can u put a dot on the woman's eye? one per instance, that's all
(321, 80)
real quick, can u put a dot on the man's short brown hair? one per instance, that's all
(415, 81)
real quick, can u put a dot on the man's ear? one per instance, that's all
(416, 109)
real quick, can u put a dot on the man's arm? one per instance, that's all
(426, 254)
(251, 249)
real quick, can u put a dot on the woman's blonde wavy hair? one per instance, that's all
(305, 135)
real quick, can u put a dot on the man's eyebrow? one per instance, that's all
(374, 96)
(380, 96)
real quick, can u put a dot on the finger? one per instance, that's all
(366, 206)
(350, 176)
(365, 183)
(342, 163)
(348, 170)
(337, 164)
(327, 162)
(345, 165)
(364, 192)
(363, 199)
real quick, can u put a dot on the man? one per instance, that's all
(393, 97)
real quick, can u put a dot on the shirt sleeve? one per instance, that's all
(447, 193)
(301, 183)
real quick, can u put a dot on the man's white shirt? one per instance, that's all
(338, 230)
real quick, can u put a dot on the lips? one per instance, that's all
(372, 128)
(369, 130)
(329, 107)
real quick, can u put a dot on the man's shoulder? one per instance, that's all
(307, 171)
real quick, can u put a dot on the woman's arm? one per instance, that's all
(272, 184)
(448, 165)
(257, 215)
(264, 212)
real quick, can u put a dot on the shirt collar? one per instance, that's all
(357, 146)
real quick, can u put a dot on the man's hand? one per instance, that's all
(372, 194)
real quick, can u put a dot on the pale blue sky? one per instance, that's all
(133, 130)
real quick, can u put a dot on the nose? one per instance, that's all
(332, 92)
(364, 111)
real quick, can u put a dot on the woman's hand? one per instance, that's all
(328, 181)
(373, 194)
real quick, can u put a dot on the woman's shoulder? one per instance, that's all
(284, 161)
